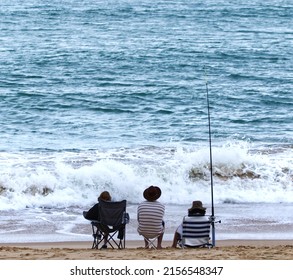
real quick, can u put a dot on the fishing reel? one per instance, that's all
(212, 219)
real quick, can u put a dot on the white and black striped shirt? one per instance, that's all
(150, 216)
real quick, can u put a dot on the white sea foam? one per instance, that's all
(76, 179)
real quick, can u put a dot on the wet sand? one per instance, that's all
(224, 250)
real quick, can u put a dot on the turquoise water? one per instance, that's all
(98, 73)
(111, 95)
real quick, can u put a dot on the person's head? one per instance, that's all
(105, 196)
(197, 208)
(152, 193)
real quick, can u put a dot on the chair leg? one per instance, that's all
(117, 243)
(121, 237)
(149, 243)
(98, 237)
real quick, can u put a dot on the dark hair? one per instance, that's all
(196, 212)
(105, 196)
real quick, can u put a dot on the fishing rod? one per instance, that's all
(212, 217)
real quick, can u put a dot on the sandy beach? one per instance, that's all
(224, 250)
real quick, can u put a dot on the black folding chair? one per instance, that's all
(112, 221)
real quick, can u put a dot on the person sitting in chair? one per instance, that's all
(150, 215)
(196, 209)
(93, 213)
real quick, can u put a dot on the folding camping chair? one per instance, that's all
(150, 239)
(151, 234)
(112, 221)
(196, 232)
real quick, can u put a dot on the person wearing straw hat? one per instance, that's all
(196, 209)
(150, 214)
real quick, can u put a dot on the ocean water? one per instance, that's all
(112, 95)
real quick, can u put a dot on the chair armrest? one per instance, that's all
(125, 218)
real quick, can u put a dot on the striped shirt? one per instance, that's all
(150, 217)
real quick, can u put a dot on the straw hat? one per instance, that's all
(152, 193)
(197, 205)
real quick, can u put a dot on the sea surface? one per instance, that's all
(114, 95)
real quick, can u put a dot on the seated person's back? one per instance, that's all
(197, 210)
(93, 212)
(150, 214)
(150, 217)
